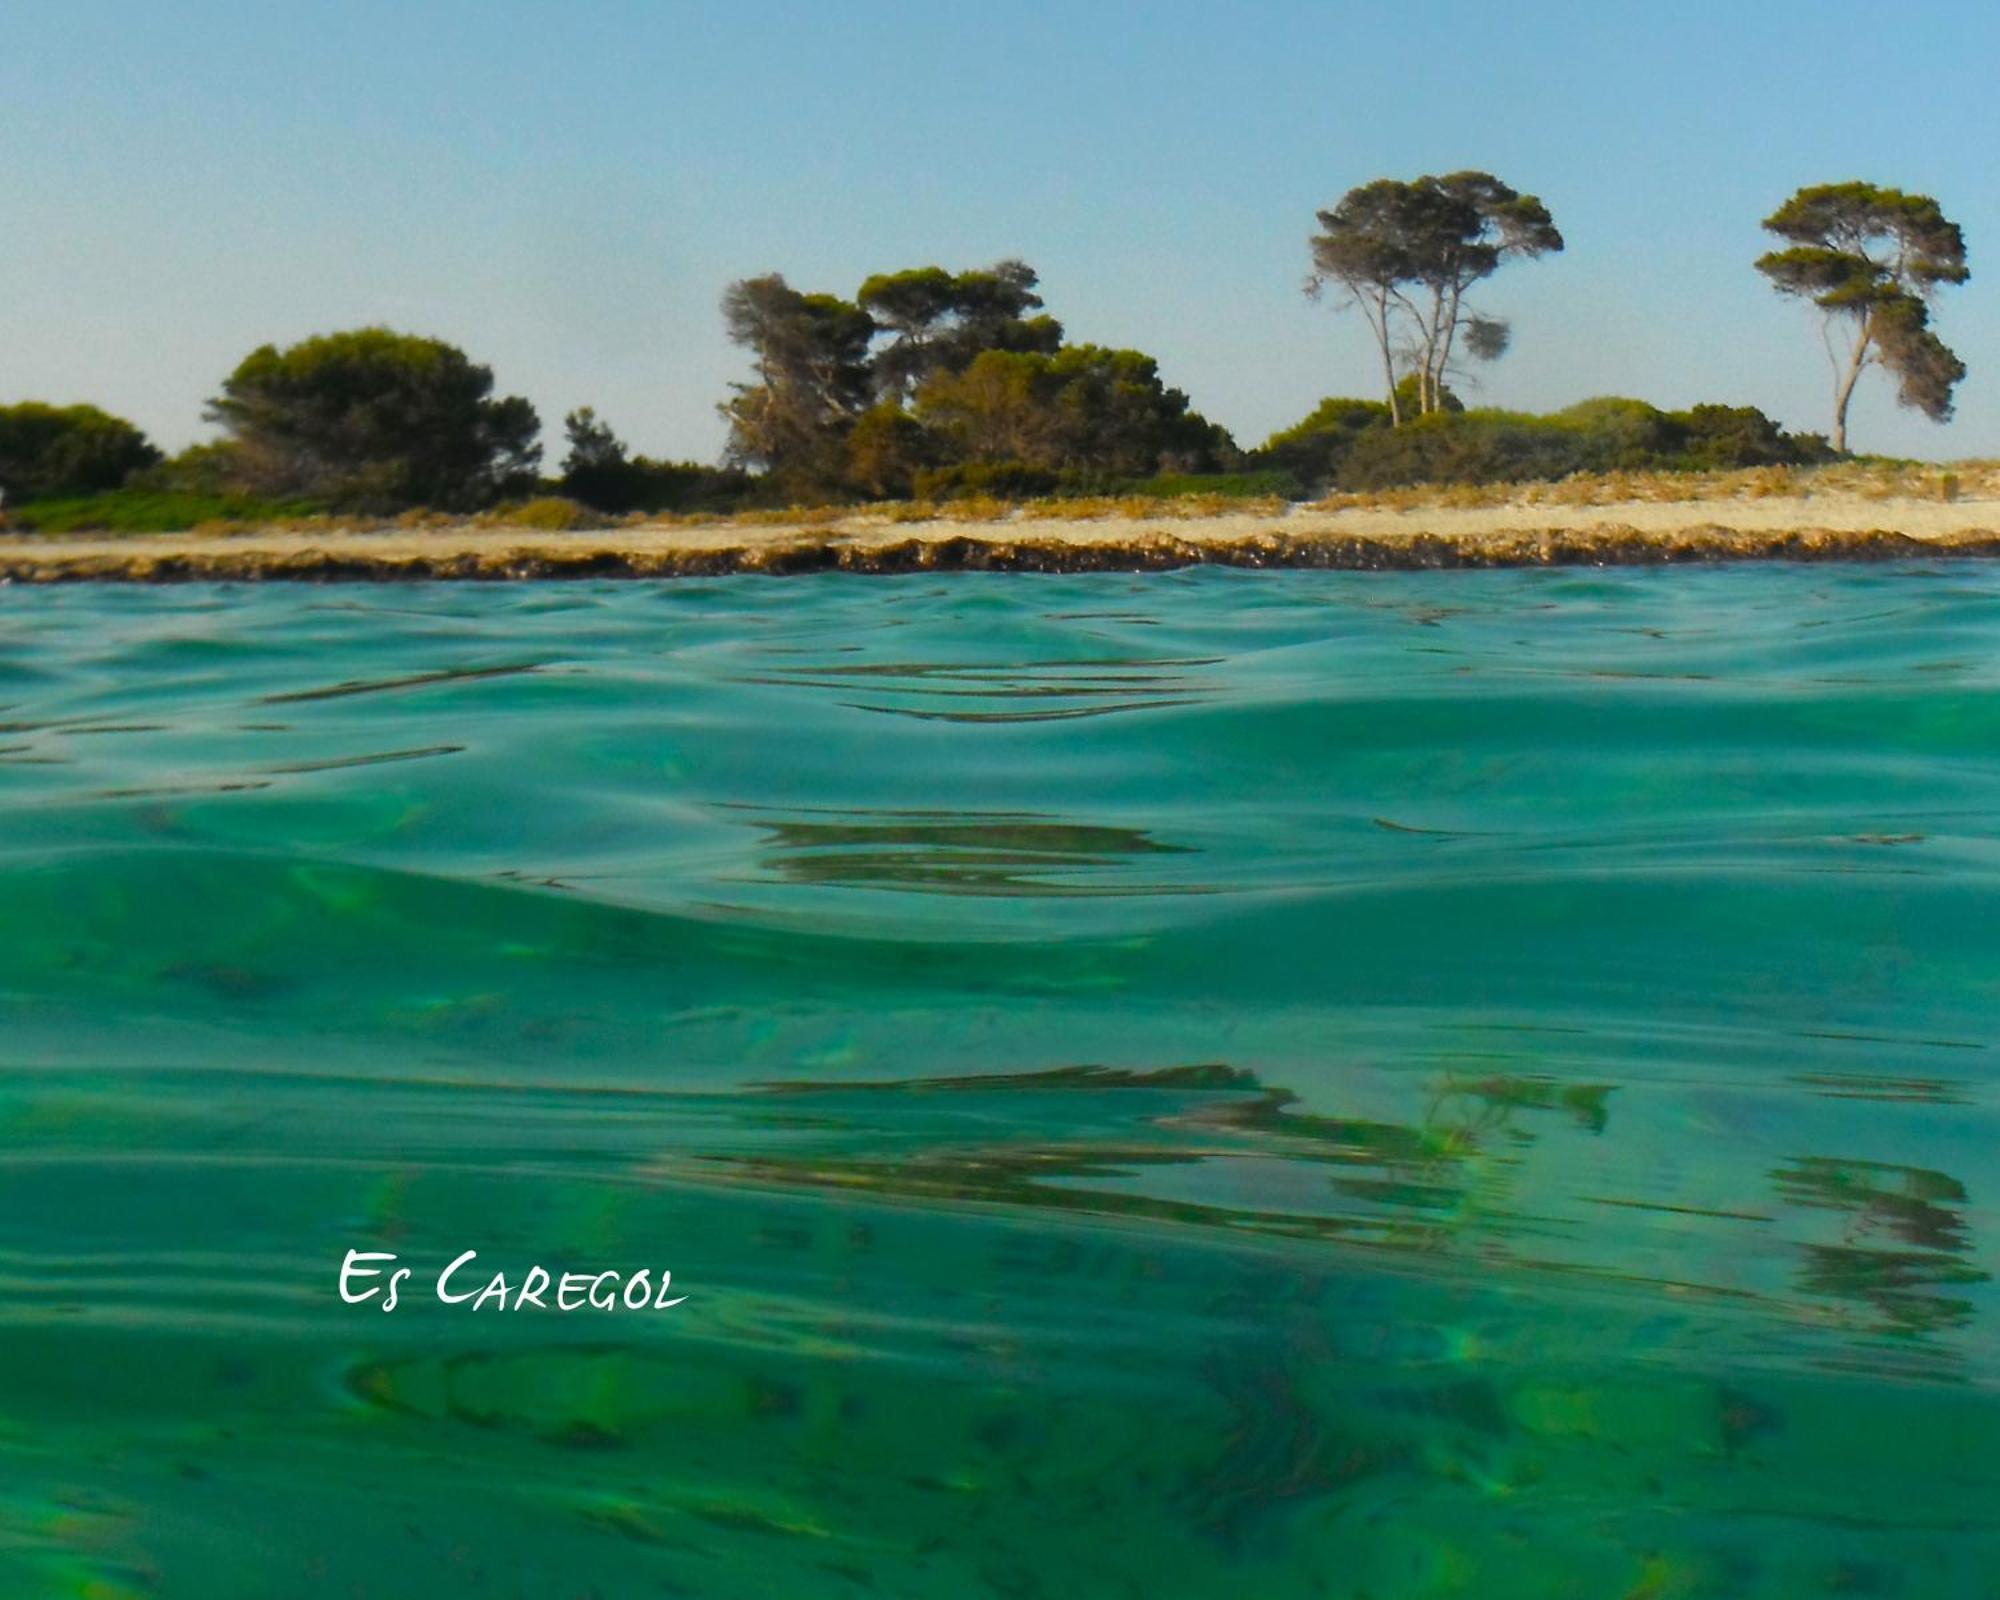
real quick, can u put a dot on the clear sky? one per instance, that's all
(565, 189)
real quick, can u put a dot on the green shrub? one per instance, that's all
(1742, 436)
(62, 452)
(1472, 447)
(1313, 449)
(1003, 480)
(1621, 435)
(1266, 484)
(552, 513)
(645, 485)
(150, 511)
(215, 468)
(1609, 434)
(887, 449)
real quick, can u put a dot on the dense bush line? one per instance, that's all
(1352, 444)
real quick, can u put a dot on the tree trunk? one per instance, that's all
(1388, 360)
(1844, 392)
(1429, 381)
(1447, 333)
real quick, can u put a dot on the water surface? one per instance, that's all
(1299, 1084)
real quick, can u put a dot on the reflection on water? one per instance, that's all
(1210, 1146)
(1138, 683)
(1902, 1240)
(953, 853)
(415, 680)
(1468, 1085)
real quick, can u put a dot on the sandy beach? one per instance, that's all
(1528, 530)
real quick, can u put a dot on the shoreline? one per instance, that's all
(1522, 534)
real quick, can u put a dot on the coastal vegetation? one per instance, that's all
(930, 388)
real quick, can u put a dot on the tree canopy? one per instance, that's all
(592, 445)
(1407, 254)
(937, 321)
(50, 451)
(374, 419)
(597, 465)
(1082, 406)
(1872, 259)
(813, 378)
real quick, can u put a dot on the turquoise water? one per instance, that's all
(1206, 1084)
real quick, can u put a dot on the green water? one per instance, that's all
(1207, 1084)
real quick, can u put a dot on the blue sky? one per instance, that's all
(566, 189)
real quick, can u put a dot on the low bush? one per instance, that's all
(552, 513)
(1350, 444)
(643, 484)
(976, 508)
(1015, 480)
(1722, 438)
(150, 511)
(1271, 483)
(1003, 480)
(1471, 447)
(1313, 449)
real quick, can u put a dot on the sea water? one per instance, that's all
(1203, 1084)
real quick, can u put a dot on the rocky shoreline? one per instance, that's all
(496, 555)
